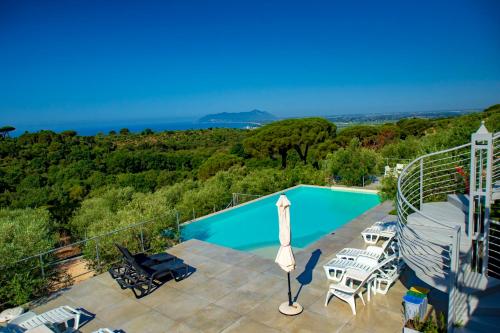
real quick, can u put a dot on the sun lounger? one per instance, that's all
(335, 268)
(140, 278)
(379, 230)
(387, 275)
(350, 253)
(61, 315)
(119, 270)
(375, 252)
(354, 280)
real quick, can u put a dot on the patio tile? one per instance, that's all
(121, 312)
(240, 301)
(149, 322)
(57, 301)
(375, 320)
(212, 290)
(256, 264)
(305, 296)
(180, 327)
(309, 321)
(181, 306)
(212, 268)
(268, 314)
(237, 276)
(337, 310)
(160, 296)
(195, 279)
(265, 285)
(247, 325)
(212, 319)
(91, 300)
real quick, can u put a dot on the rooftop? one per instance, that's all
(233, 291)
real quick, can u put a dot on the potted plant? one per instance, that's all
(430, 325)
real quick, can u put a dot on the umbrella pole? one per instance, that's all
(290, 308)
(289, 291)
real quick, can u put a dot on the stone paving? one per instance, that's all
(233, 291)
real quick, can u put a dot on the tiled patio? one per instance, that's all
(233, 291)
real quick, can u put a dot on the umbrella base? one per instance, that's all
(288, 310)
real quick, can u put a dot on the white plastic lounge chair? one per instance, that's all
(345, 289)
(379, 230)
(61, 315)
(386, 276)
(399, 168)
(104, 330)
(387, 171)
(375, 252)
(335, 268)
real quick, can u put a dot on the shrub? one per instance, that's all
(20, 282)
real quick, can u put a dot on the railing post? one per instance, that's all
(421, 183)
(480, 193)
(177, 220)
(97, 254)
(452, 283)
(142, 239)
(41, 266)
(194, 216)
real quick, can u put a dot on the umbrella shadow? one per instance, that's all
(306, 276)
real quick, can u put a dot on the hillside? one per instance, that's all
(254, 116)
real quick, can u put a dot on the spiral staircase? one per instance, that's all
(446, 231)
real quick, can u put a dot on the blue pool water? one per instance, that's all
(314, 213)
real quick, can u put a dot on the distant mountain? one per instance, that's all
(254, 116)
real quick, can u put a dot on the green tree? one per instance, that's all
(124, 131)
(278, 138)
(147, 131)
(5, 130)
(23, 233)
(217, 162)
(353, 164)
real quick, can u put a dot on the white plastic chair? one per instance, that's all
(350, 253)
(61, 315)
(386, 276)
(387, 171)
(335, 268)
(346, 289)
(378, 230)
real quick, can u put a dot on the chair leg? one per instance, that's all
(77, 321)
(328, 294)
(352, 303)
(361, 296)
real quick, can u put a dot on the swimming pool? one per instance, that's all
(314, 212)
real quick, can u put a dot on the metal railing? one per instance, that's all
(493, 266)
(496, 158)
(95, 254)
(429, 246)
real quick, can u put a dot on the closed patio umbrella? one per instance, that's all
(285, 258)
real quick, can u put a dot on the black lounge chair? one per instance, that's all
(142, 278)
(117, 271)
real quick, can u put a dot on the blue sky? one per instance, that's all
(91, 61)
